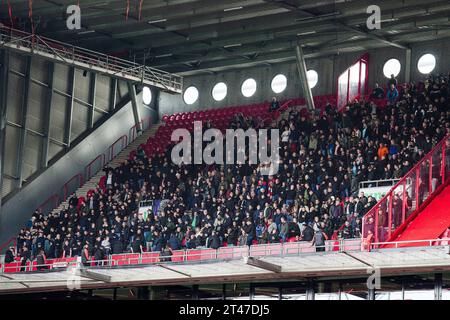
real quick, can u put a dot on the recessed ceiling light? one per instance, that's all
(305, 33)
(232, 9)
(86, 32)
(164, 55)
(233, 45)
(157, 21)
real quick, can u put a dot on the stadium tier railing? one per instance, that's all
(409, 196)
(193, 255)
(203, 255)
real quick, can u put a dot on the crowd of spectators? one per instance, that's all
(323, 158)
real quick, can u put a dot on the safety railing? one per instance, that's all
(401, 204)
(144, 124)
(94, 166)
(71, 185)
(120, 144)
(70, 54)
(10, 242)
(378, 183)
(49, 204)
(193, 255)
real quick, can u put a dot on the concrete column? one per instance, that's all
(4, 70)
(252, 292)
(48, 111)
(302, 71)
(310, 294)
(280, 293)
(224, 291)
(438, 286)
(195, 292)
(24, 124)
(371, 294)
(408, 65)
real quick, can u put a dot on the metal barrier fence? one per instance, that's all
(194, 255)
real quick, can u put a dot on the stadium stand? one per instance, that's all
(313, 198)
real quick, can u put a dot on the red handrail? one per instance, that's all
(123, 139)
(132, 131)
(7, 243)
(53, 197)
(78, 176)
(88, 168)
(440, 147)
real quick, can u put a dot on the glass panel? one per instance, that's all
(410, 194)
(424, 172)
(354, 81)
(397, 205)
(382, 220)
(390, 289)
(363, 78)
(342, 83)
(419, 287)
(436, 178)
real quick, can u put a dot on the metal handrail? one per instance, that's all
(71, 54)
(87, 169)
(225, 253)
(124, 140)
(78, 176)
(403, 181)
(53, 197)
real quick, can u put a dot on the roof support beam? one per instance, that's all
(302, 71)
(92, 89)
(4, 69)
(24, 124)
(340, 24)
(47, 119)
(69, 113)
(137, 117)
(113, 94)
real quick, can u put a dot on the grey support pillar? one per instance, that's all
(68, 126)
(438, 286)
(195, 292)
(280, 293)
(4, 70)
(371, 294)
(302, 71)
(408, 65)
(113, 94)
(252, 292)
(24, 124)
(224, 291)
(47, 119)
(92, 89)
(310, 294)
(137, 117)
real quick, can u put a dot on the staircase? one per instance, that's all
(120, 158)
(430, 222)
(416, 208)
